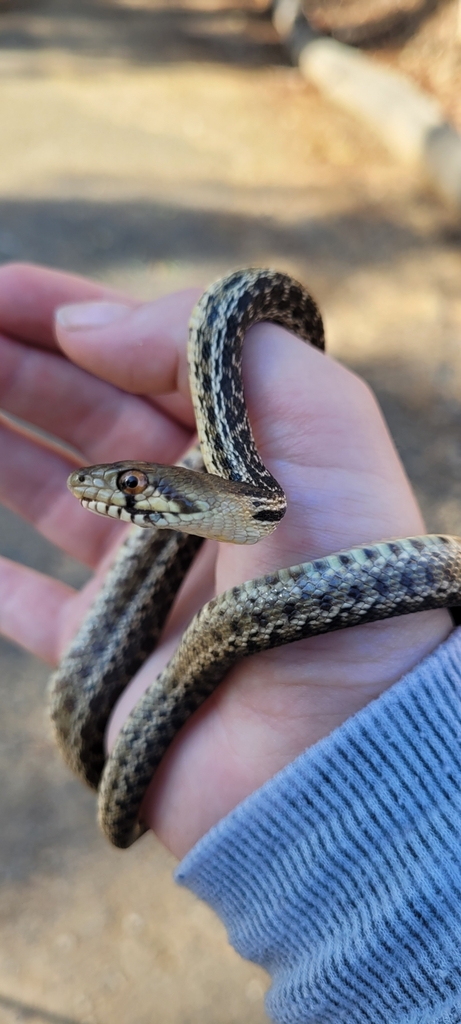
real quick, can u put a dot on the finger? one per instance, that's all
(89, 414)
(29, 296)
(33, 484)
(141, 349)
(31, 609)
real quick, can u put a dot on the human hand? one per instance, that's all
(320, 432)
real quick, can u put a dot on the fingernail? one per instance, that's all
(84, 315)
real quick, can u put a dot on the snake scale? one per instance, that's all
(234, 499)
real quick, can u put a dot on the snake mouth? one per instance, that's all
(103, 508)
(122, 513)
(129, 513)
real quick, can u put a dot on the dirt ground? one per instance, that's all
(154, 146)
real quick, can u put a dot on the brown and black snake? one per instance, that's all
(235, 499)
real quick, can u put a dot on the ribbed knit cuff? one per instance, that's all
(342, 875)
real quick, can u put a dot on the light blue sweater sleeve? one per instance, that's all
(342, 875)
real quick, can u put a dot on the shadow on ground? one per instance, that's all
(25, 1011)
(91, 236)
(143, 35)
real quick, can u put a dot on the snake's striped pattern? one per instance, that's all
(237, 499)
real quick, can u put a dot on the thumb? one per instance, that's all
(140, 348)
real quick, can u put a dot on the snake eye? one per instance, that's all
(132, 481)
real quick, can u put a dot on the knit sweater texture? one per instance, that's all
(342, 875)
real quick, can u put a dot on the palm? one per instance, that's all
(321, 435)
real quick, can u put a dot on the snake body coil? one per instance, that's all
(236, 499)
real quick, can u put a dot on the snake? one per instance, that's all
(221, 489)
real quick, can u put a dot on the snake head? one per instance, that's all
(172, 497)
